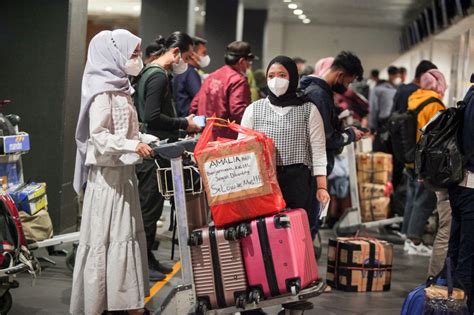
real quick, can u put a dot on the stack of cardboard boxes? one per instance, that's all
(374, 173)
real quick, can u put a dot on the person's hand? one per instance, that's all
(322, 195)
(192, 126)
(144, 150)
(359, 134)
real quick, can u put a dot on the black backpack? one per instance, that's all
(440, 159)
(402, 128)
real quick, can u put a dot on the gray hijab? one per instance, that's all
(104, 72)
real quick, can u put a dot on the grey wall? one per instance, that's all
(162, 17)
(254, 30)
(41, 61)
(219, 29)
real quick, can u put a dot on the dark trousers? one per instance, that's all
(461, 241)
(298, 187)
(420, 204)
(151, 201)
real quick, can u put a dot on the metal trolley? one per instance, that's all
(182, 298)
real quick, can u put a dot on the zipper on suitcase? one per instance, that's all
(267, 257)
(218, 285)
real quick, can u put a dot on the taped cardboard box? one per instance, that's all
(371, 191)
(376, 168)
(359, 264)
(29, 198)
(374, 209)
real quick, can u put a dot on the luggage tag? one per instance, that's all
(323, 210)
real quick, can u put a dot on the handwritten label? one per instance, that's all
(232, 174)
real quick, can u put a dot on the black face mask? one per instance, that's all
(339, 88)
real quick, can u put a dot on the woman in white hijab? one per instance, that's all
(111, 269)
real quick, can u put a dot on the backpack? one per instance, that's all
(440, 159)
(139, 84)
(402, 128)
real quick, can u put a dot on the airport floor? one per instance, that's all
(50, 293)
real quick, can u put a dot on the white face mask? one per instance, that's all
(180, 67)
(397, 81)
(278, 86)
(204, 61)
(133, 66)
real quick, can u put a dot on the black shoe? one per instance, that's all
(153, 263)
(163, 268)
(155, 275)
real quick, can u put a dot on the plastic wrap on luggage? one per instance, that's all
(239, 176)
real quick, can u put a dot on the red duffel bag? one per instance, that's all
(239, 176)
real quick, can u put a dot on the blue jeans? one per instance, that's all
(420, 204)
(461, 241)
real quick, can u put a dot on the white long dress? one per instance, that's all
(111, 270)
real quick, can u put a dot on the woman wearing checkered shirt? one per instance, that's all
(297, 130)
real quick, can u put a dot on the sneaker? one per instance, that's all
(419, 250)
(159, 224)
(406, 245)
(155, 275)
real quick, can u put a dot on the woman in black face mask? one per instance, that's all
(297, 130)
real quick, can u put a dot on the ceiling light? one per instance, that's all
(302, 17)
(298, 12)
(136, 8)
(306, 21)
(286, 1)
(292, 6)
(108, 9)
(203, 13)
(196, 9)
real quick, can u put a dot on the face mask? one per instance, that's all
(133, 66)
(204, 61)
(180, 67)
(397, 81)
(278, 86)
(339, 88)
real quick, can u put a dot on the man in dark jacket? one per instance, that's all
(226, 92)
(461, 241)
(346, 68)
(320, 91)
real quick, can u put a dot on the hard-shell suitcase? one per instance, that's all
(218, 268)
(278, 254)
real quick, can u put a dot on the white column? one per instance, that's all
(191, 29)
(240, 21)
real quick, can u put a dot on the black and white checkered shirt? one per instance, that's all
(290, 132)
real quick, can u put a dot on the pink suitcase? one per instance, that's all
(278, 254)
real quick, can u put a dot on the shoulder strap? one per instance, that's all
(426, 103)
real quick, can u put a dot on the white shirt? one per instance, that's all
(316, 134)
(104, 147)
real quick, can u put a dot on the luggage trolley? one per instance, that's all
(182, 299)
(351, 221)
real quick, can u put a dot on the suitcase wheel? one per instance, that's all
(294, 287)
(254, 296)
(202, 307)
(244, 230)
(240, 301)
(195, 239)
(231, 234)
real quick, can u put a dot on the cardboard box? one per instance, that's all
(371, 191)
(30, 198)
(376, 168)
(374, 209)
(359, 264)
